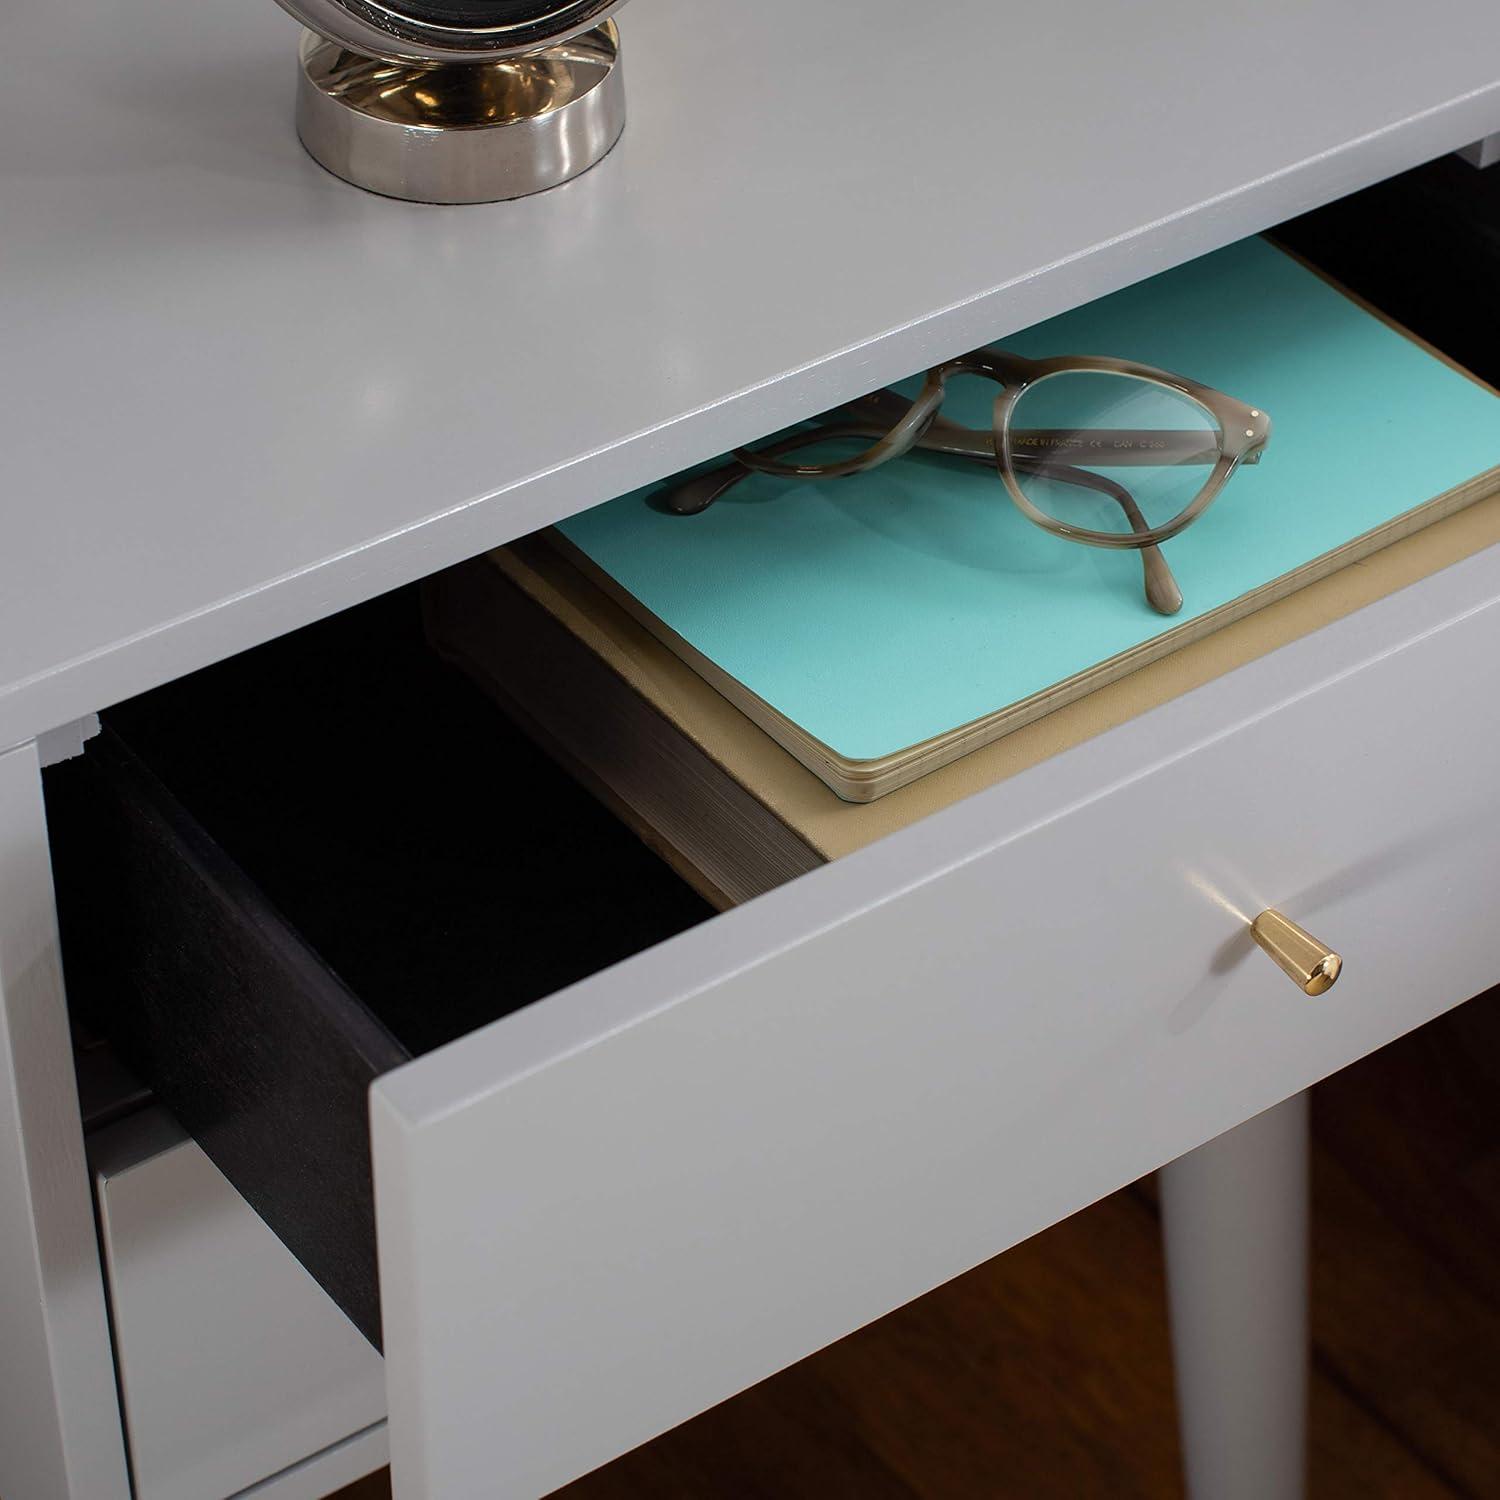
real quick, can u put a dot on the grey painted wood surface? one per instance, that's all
(234, 1364)
(67, 740)
(328, 1471)
(239, 394)
(614, 1208)
(59, 1419)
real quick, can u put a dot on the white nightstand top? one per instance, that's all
(236, 394)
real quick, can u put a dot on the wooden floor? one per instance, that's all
(1045, 1372)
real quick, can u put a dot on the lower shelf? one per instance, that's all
(237, 1373)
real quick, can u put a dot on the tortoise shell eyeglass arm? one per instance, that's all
(1123, 446)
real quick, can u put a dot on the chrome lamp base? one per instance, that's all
(462, 132)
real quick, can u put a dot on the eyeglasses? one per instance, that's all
(1057, 424)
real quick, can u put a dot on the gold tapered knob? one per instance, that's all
(1312, 965)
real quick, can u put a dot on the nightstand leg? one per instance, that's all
(1235, 1223)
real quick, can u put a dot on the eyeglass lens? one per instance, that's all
(1157, 443)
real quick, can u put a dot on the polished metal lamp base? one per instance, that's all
(462, 132)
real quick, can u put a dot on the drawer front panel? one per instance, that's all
(614, 1209)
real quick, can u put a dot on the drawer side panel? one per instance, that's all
(257, 1047)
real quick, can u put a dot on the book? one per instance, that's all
(729, 808)
(883, 626)
(711, 778)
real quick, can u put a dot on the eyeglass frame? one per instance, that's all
(1242, 430)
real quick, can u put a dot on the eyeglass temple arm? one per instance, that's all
(1111, 446)
(693, 496)
(1162, 592)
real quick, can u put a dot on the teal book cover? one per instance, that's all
(888, 609)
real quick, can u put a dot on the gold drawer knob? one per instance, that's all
(1312, 964)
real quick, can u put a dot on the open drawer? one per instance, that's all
(606, 1210)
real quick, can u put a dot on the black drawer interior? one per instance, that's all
(1424, 247)
(285, 875)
